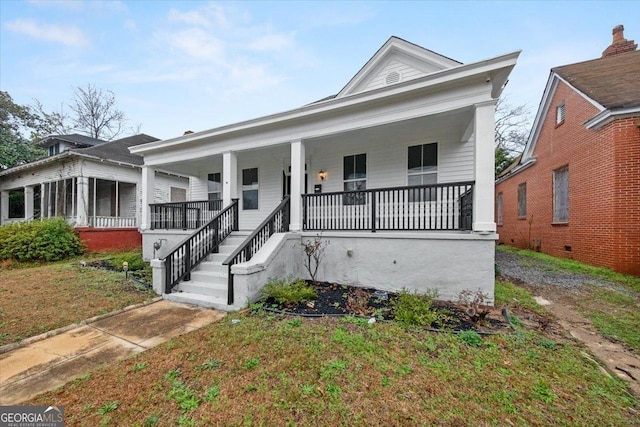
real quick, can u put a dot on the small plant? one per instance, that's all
(473, 303)
(314, 250)
(295, 323)
(358, 302)
(548, 344)
(184, 396)
(152, 421)
(108, 407)
(415, 309)
(172, 374)
(139, 367)
(251, 363)
(184, 420)
(289, 292)
(211, 364)
(212, 393)
(307, 389)
(471, 338)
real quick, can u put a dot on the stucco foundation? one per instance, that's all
(446, 262)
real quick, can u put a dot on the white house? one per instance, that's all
(95, 184)
(395, 172)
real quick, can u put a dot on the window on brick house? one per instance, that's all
(522, 200)
(561, 194)
(499, 208)
(560, 113)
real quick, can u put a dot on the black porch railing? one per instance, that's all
(421, 207)
(181, 261)
(276, 222)
(183, 215)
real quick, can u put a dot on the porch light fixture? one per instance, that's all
(322, 175)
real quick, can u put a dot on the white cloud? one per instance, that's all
(211, 15)
(130, 25)
(195, 43)
(66, 35)
(275, 42)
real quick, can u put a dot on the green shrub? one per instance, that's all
(289, 291)
(47, 240)
(471, 338)
(134, 258)
(415, 309)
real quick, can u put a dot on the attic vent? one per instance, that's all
(392, 77)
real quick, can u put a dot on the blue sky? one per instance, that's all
(175, 66)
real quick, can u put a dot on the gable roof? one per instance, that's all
(73, 138)
(609, 83)
(613, 81)
(417, 59)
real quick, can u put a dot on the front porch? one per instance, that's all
(82, 201)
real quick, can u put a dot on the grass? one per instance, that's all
(60, 293)
(613, 310)
(268, 370)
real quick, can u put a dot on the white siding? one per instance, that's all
(406, 71)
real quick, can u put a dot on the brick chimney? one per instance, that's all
(619, 44)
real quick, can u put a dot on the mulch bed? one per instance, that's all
(336, 300)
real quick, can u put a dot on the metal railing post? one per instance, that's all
(373, 211)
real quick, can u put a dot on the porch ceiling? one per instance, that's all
(445, 127)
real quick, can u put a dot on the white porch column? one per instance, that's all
(297, 184)
(43, 201)
(483, 196)
(148, 184)
(28, 203)
(82, 203)
(229, 178)
(4, 207)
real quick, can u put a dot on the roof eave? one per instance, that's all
(607, 116)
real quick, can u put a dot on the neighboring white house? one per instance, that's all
(395, 172)
(92, 183)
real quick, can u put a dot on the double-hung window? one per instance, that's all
(250, 189)
(499, 208)
(355, 178)
(422, 169)
(214, 186)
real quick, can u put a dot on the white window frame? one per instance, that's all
(211, 193)
(251, 187)
(424, 172)
(360, 182)
(560, 113)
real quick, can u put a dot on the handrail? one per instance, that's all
(427, 207)
(183, 215)
(205, 240)
(276, 222)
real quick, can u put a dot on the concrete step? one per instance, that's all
(216, 258)
(214, 267)
(210, 277)
(200, 300)
(203, 288)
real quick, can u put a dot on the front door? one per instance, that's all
(286, 184)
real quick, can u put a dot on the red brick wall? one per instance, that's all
(604, 189)
(110, 239)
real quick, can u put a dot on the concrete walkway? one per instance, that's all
(43, 365)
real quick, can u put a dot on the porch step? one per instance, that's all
(209, 280)
(200, 300)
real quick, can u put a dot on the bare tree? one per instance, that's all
(512, 126)
(53, 123)
(511, 133)
(96, 113)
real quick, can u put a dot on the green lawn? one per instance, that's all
(272, 370)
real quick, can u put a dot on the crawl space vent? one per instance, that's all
(392, 77)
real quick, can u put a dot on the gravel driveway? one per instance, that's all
(538, 272)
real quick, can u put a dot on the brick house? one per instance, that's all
(575, 191)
